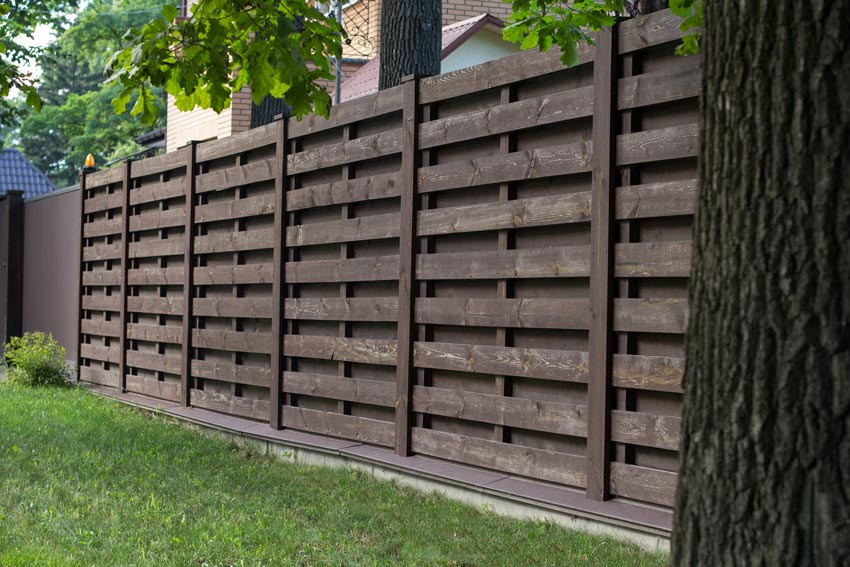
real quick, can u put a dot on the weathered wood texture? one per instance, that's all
(488, 267)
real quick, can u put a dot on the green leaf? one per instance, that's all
(169, 12)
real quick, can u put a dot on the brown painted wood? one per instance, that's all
(675, 142)
(374, 268)
(643, 483)
(123, 344)
(102, 328)
(351, 230)
(102, 353)
(102, 202)
(656, 373)
(519, 313)
(169, 363)
(666, 199)
(601, 341)
(553, 262)
(156, 305)
(238, 143)
(103, 228)
(240, 175)
(645, 429)
(237, 374)
(102, 303)
(236, 341)
(542, 464)
(382, 186)
(516, 166)
(155, 333)
(372, 392)
(367, 351)
(156, 276)
(343, 309)
(156, 220)
(533, 415)
(233, 275)
(103, 278)
(99, 252)
(155, 388)
(655, 88)
(231, 405)
(105, 177)
(649, 30)
(653, 260)
(156, 248)
(360, 149)
(159, 164)
(240, 241)
(279, 272)
(246, 307)
(651, 315)
(544, 364)
(99, 376)
(339, 425)
(350, 111)
(230, 210)
(520, 213)
(152, 192)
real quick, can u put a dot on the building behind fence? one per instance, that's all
(487, 267)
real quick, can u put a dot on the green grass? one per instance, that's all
(85, 481)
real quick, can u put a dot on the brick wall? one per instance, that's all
(457, 10)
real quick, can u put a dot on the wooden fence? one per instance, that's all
(488, 267)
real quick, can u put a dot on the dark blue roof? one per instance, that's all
(17, 172)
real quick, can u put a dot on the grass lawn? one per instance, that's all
(86, 481)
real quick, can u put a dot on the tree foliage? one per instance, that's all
(278, 47)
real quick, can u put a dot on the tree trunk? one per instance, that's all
(765, 468)
(411, 39)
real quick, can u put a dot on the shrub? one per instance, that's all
(35, 359)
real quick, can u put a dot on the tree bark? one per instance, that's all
(411, 40)
(765, 467)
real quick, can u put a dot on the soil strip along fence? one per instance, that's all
(487, 267)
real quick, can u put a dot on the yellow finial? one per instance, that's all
(89, 160)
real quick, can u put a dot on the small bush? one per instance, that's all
(35, 359)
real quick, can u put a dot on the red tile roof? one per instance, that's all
(365, 80)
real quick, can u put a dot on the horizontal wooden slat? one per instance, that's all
(339, 425)
(102, 278)
(544, 364)
(549, 109)
(381, 186)
(657, 373)
(645, 31)
(151, 192)
(642, 483)
(655, 88)
(555, 262)
(95, 375)
(156, 248)
(101, 302)
(100, 252)
(361, 108)
(516, 166)
(155, 333)
(158, 219)
(343, 309)
(238, 341)
(102, 227)
(541, 464)
(100, 352)
(366, 228)
(234, 209)
(359, 149)
(667, 199)
(234, 241)
(367, 351)
(237, 143)
(651, 315)
(169, 363)
(243, 307)
(234, 275)
(237, 374)
(675, 142)
(653, 260)
(367, 269)
(521, 213)
(101, 328)
(238, 176)
(519, 313)
(534, 415)
(231, 405)
(104, 177)
(104, 202)
(506, 70)
(158, 164)
(646, 429)
(158, 305)
(372, 392)
(154, 388)
(155, 276)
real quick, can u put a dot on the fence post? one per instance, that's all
(81, 270)
(125, 246)
(279, 271)
(410, 158)
(12, 267)
(601, 267)
(188, 277)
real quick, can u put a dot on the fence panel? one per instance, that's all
(487, 267)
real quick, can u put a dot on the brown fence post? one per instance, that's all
(12, 266)
(188, 279)
(125, 246)
(405, 370)
(601, 267)
(80, 270)
(279, 271)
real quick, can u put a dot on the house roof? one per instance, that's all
(17, 172)
(365, 80)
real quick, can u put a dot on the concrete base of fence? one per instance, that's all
(646, 526)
